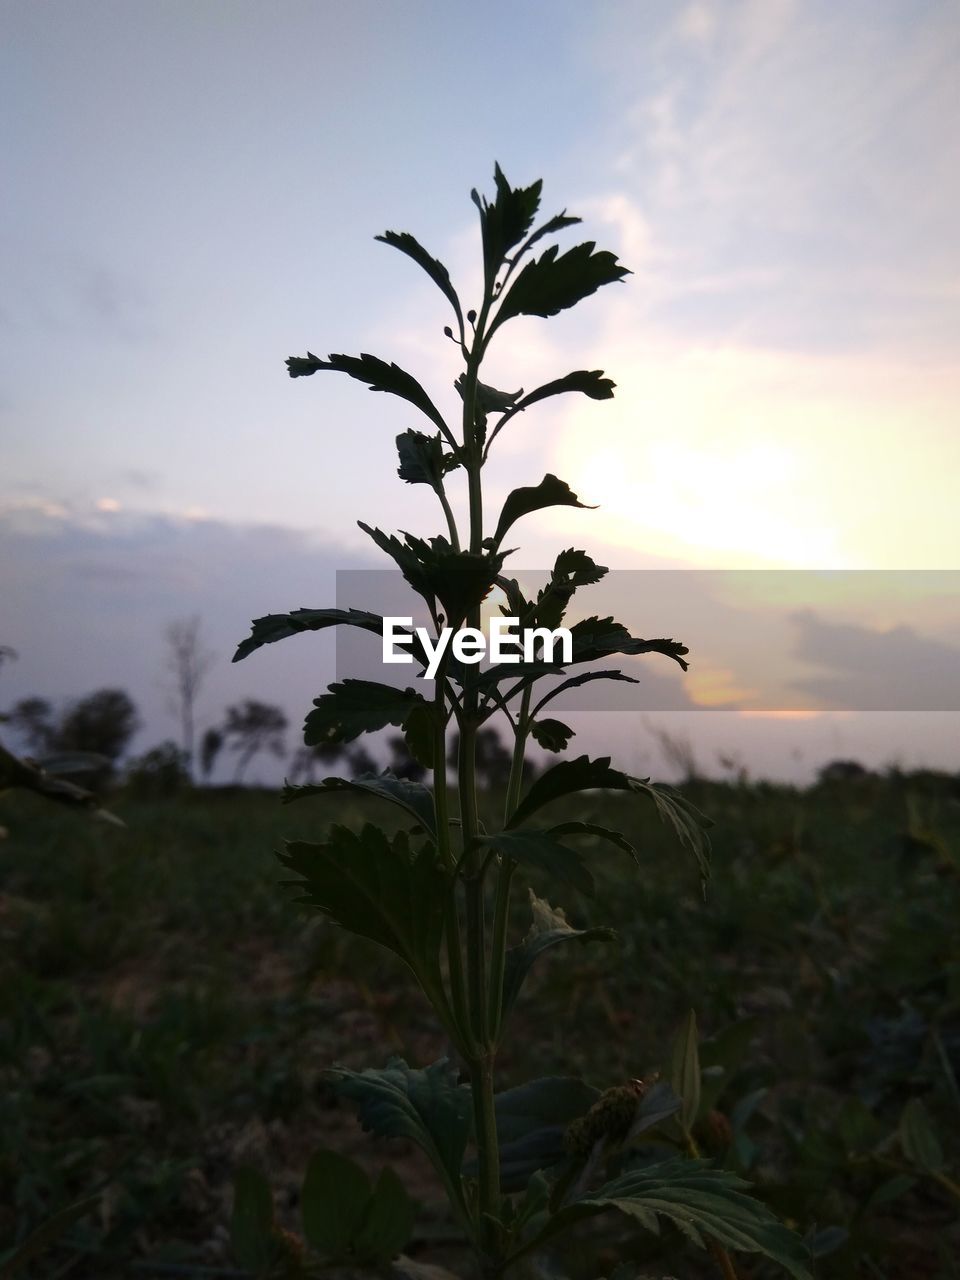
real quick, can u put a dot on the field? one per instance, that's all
(166, 1013)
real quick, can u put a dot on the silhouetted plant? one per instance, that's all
(556, 1151)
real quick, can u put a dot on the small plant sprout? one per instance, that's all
(524, 1165)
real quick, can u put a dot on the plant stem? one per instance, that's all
(452, 922)
(481, 1063)
(519, 748)
(451, 523)
(498, 950)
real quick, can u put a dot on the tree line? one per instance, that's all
(89, 736)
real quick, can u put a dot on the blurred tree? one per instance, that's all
(211, 745)
(33, 720)
(493, 758)
(252, 727)
(306, 760)
(103, 723)
(187, 665)
(401, 762)
(360, 761)
(159, 773)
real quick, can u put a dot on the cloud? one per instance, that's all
(87, 600)
(794, 164)
(890, 669)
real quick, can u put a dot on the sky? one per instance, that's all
(191, 195)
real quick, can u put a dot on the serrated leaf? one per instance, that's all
(918, 1141)
(251, 1222)
(422, 459)
(412, 796)
(378, 888)
(704, 1203)
(686, 819)
(378, 376)
(572, 569)
(594, 638)
(565, 778)
(426, 1105)
(585, 677)
(279, 626)
(577, 828)
(559, 222)
(685, 1070)
(333, 1201)
(552, 735)
(353, 707)
(554, 281)
(550, 928)
(506, 221)
(550, 492)
(434, 268)
(583, 774)
(460, 580)
(534, 847)
(589, 382)
(387, 1222)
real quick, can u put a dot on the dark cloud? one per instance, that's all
(876, 670)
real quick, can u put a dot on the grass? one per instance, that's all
(166, 1011)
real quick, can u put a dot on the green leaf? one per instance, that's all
(388, 1221)
(887, 1192)
(550, 928)
(572, 569)
(578, 828)
(378, 888)
(534, 847)
(685, 1071)
(46, 1234)
(427, 1106)
(589, 382)
(278, 626)
(704, 1203)
(435, 269)
(686, 819)
(460, 580)
(583, 774)
(251, 1223)
(489, 399)
(565, 778)
(550, 492)
(552, 283)
(531, 1122)
(552, 735)
(506, 221)
(422, 459)
(378, 375)
(584, 678)
(558, 222)
(353, 707)
(918, 1141)
(421, 730)
(412, 796)
(595, 638)
(333, 1202)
